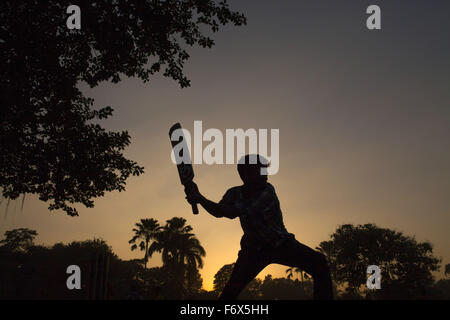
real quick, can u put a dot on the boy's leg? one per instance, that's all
(295, 254)
(246, 268)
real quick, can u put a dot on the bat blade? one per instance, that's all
(184, 164)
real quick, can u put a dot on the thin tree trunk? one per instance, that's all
(146, 255)
(105, 294)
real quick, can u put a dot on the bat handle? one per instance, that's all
(194, 208)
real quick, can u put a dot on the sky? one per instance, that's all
(363, 118)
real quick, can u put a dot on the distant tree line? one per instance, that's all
(29, 271)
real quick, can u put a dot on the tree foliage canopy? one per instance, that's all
(222, 276)
(406, 265)
(145, 231)
(18, 239)
(182, 255)
(50, 142)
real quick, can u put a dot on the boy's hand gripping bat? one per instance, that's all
(185, 170)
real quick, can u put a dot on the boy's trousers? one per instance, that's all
(290, 253)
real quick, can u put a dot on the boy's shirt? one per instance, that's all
(261, 218)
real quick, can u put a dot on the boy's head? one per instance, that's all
(250, 167)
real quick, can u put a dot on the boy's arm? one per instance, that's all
(217, 210)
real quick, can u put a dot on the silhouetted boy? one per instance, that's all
(265, 238)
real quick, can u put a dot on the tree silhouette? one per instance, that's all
(290, 273)
(447, 269)
(40, 272)
(194, 283)
(222, 276)
(251, 291)
(182, 254)
(18, 239)
(50, 141)
(178, 244)
(285, 289)
(145, 231)
(406, 265)
(441, 290)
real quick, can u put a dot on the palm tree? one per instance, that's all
(190, 255)
(145, 231)
(181, 251)
(290, 272)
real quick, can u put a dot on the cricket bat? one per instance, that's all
(185, 170)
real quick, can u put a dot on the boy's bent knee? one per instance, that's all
(321, 258)
(321, 264)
